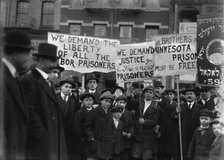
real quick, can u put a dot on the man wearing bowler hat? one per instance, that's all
(46, 137)
(189, 120)
(17, 46)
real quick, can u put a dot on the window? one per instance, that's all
(22, 12)
(75, 29)
(100, 30)
(150, 32)
(125, 31)
(48, 13)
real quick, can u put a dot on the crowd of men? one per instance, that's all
(46, 120)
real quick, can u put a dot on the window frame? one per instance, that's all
(42, 14)
(21, 14)
(100, 35)
(125, 25)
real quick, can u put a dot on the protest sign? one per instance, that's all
(84, 54)
(135, 62)
(174, 54)
(210, 48)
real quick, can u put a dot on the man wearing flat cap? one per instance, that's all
(144, 145)
(17, 46)
(68, 108)
(46, 137)
(98, 130)
(189, 120)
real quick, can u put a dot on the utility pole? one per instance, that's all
(112, 7)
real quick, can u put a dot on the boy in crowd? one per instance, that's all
(128, 128)
(98, 129)
(87, 100)
(202, 138)
(118, 146)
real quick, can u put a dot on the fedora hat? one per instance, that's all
(91, 77)
(86, 94)
(18, 39)
(158, 84)
(76, 80)
(46, 50)
(67, 80)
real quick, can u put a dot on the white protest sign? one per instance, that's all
(175, 54)
(84, 54)
(135, 62)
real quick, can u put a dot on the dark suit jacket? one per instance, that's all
(46, 136)
(118, 145)
(216, 151)
(189, 122)
(15, 117)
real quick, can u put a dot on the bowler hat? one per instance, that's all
(122, 97)
(61, 69)
(76, 80)
(151, 88)
(117, 108)
(158, 95)
(189, 89)
(205, 112)
(17, 38)
(86, 94)
(137, 85)
(91, 77)
(206, 88)
(158, 84)
(106, 96)
(46, 50)
(67, 80)
(118, 87)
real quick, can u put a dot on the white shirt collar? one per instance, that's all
(43, 74)
(147, 104)
(92, 91)
(10, 66)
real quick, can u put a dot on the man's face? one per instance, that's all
(117, 115)
(190, 96)
(149, 95)
(66, 88)
(22, 59)
(170, 96)
(122, 102)
(54, 74)
(92, 84)
(106, 103)
(159, 90)
(88, 102)
(47, 65)
(205, 95)
(217, 129)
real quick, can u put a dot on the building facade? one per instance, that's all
(130, 21)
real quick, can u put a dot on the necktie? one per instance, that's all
(65, 98)
(189, 106)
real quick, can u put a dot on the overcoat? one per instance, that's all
(46, 135)
(68, 110)
(15, 117)
(168, 125)
(98, 126)
(189, 122)
(201, 144)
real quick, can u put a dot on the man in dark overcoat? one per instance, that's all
(144, 142)
(15, 123)
(189, 121)
(68, 108)
(46, 135)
